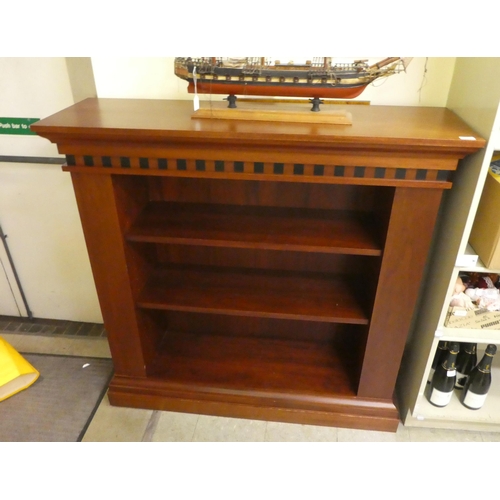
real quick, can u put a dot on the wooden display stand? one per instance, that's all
(273, 112)
(252, 269)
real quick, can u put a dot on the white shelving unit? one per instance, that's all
(477, 101)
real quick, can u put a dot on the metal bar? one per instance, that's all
(3, 237)
(33, 159)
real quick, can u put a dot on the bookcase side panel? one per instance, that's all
(408, 240)
(100, 221)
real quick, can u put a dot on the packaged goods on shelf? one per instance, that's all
(475, 302)
(460, 317)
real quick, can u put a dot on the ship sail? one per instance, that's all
(236, 62)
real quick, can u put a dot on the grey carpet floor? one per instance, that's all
(60, 404)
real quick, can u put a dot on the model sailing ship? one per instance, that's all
(258, 76)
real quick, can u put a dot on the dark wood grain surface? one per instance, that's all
(278, 294)
(155, 120)
(256, 227)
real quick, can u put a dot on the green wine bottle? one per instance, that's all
(439, 357)
(479, 382)
(466, 361)
(443, 381)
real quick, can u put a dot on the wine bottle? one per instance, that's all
(477, 387)
(443, 381)
(466, 361)
(439, 357)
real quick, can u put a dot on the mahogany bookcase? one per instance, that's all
(261, 270)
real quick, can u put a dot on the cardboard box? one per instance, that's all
(480, 319)
(485, 234)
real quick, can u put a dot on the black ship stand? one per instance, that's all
(295, 110)
(316, 101)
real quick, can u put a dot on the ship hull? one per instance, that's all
(269, 89)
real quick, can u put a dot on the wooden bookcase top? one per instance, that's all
(156, 120)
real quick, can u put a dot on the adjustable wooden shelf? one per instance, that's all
(253, 269)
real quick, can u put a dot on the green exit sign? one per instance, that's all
(17, 126)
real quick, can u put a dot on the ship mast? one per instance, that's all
(384, 62)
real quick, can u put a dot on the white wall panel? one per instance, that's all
(37, 205)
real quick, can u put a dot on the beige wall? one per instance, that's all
(153, 78)
(37, 206)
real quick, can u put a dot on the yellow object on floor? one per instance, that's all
(16, 374)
